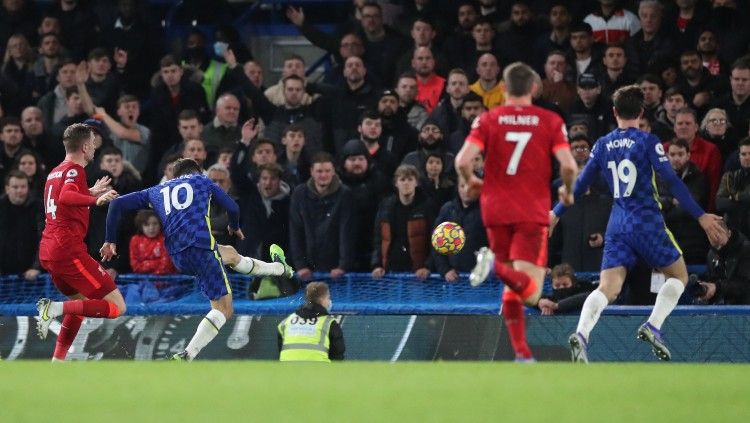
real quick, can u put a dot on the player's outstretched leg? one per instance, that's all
(112, 306)
(251, 266)
(610, 284)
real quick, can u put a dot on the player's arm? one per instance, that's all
(473, 146)
(582, 184)
(568, 169)
(133, 201)
(711, 224)
(677, 188)
(568, 165)
(70, 195)
(233, 210)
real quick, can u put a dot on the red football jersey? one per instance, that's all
(65, 225)
(518, 143)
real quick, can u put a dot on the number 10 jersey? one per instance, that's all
(183, 206)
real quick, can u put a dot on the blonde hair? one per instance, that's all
(315, 291)
(27, 53)
(405, 171)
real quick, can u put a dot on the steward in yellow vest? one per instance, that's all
(310, 333)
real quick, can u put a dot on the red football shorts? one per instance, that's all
(519, 241)
(82, 275)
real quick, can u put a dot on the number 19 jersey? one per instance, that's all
(518, 142)
(629, 160)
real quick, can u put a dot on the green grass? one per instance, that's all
(255, 391)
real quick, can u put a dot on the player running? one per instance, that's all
(628, 158)
(518, 140)
(62, 251)
(182, 205)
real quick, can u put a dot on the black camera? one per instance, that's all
(694, 288)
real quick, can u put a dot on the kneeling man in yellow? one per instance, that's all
(310, 333)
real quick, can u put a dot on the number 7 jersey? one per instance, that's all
(518, 143)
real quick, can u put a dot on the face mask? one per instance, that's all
(220, 48)
(330, 305)
(564, 292)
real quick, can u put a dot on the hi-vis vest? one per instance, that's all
(305, 339)
(212, 77)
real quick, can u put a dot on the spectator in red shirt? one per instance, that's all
(703, 153)
(429, 84)
(148, 254)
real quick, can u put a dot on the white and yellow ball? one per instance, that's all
(448, 238)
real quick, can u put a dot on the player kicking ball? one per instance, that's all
(628, 158)
(182, 205)
(518, 140)
(62, 251)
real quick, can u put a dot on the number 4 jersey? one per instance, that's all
(518, 143)
(629, 159)
(183, 206)
(66, 207)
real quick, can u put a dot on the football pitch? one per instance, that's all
(258, 391)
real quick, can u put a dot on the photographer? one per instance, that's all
(727, 278)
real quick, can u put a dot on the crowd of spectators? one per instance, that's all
(350, 172)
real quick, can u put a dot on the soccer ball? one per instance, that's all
(448, 238)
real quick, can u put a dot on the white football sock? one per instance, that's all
(245, 265)
(55, 309)
(666, 300)
(207, 330)
(251, 266)
(592, 309)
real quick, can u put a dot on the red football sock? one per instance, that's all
(68, 331)
(521, 283)
(516, 324)
(91, 308)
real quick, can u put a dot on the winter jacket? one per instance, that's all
(729, 269)
(320, 227)
(264, 221)
(590, 215)
(410, 243)
(689, 235)
(733, 199)
(149, 255)
(20, 231)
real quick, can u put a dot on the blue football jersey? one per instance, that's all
(183, 207)
(629, 160)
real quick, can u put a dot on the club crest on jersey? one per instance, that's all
(72, 173)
